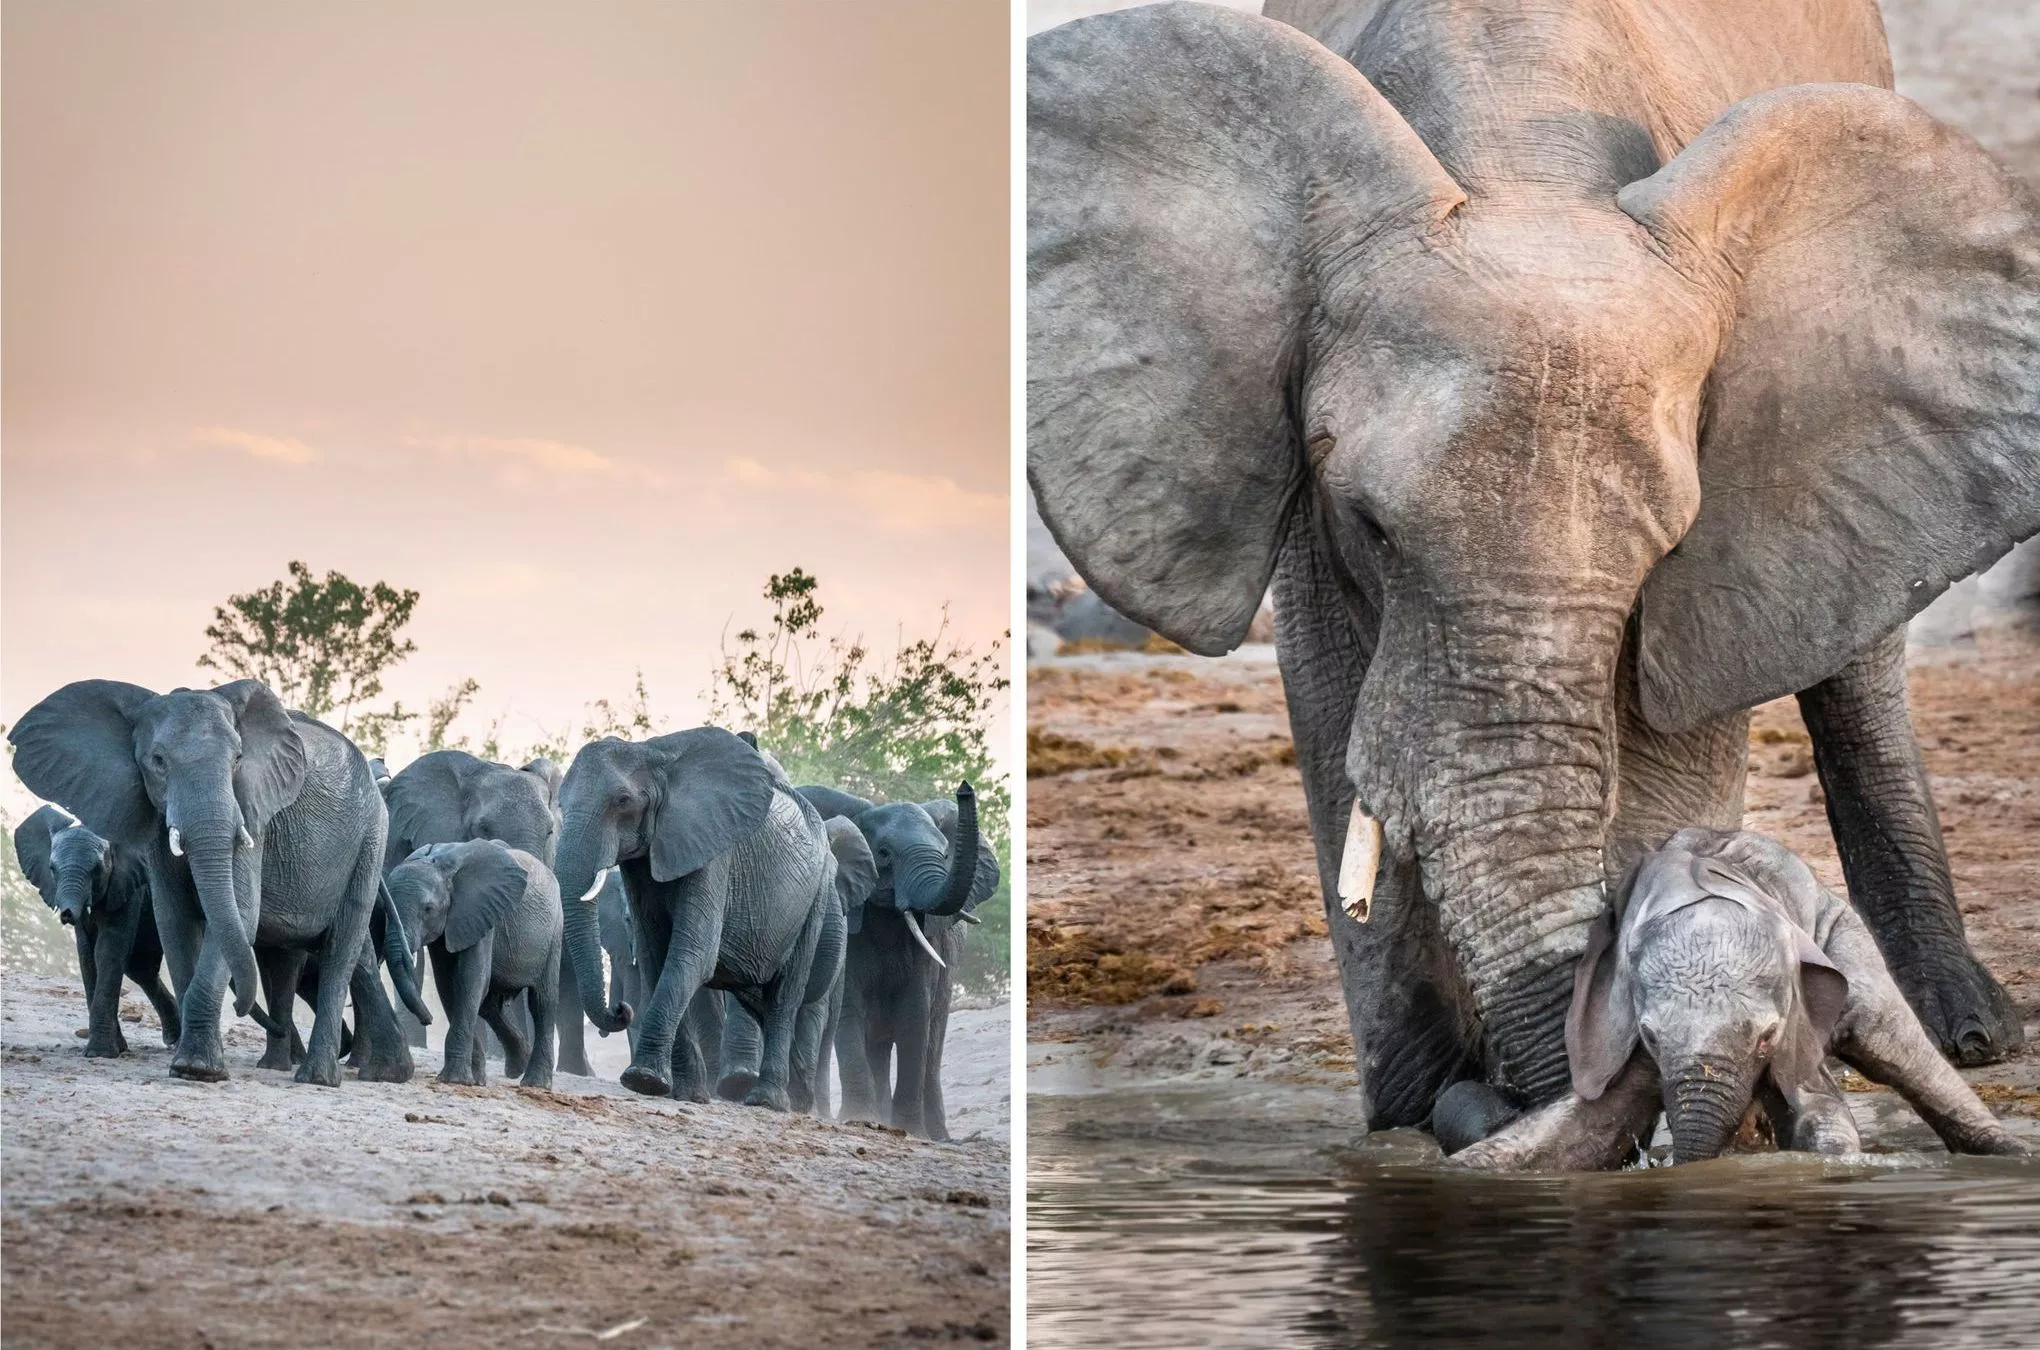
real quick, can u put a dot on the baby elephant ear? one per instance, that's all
(1871, 426)
(548, 773)
(1600, 1028)
(32, 844)
(856, 869)
(714, 791)
(1823, 989)
(486, 887)
(272, 771)
(1192, 175)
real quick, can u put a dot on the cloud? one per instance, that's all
(523, 458)
(899, 502)
(280, 449)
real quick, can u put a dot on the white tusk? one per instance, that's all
(176, 843)
(1358, 865)
(968, 917)
(247, 840)
(914, 927)
(595, 886)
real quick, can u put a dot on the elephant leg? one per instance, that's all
(572, 1024)
(634, 985)
(147, 972)
(742, 1050)
(281, 969)
(783, 999)
(878, 1062)
(853, 1064)
(911, 1019)
(831, 1028)
(460, 993)
(83, 935)
(111, 943)
(682, 942)
(809, 1027)
(1810, 1117)
(1405, 1001)
(387, 1058)
(1881, 811)
(201, 1054)
(1573, 1135)
(545, 1007)
(697, 1043)
(345, 944)
(933, 1114)
(499, 1014)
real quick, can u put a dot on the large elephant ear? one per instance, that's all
(425, 801)
(32, 840)
(272, 771)
(714, 790)
(77, 748)
(829, 801)
(548, 773)
(487, 883)
(856, 868)
(1871, 428)
(1187, 166)
(986, 879)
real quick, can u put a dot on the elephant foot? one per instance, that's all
(650, 1083)
(105, 1047)
(198, 1070)
(579, 1067)
(768, 1095)
(1468, 1112)
(736, 1085)
(387, 1069)
(276, 1056)
(460, 1077)
(320, 1070)
(1967, 1013)
(534, 1077)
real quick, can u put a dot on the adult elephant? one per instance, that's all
(257, 826)
(100, 891)
(453, 797)
(1582, 375)
(932, 869)
(723, 864)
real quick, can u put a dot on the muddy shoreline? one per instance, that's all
(142, 1210)
(1175, 925)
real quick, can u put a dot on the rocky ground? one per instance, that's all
(142, 1210)
(1175, 925)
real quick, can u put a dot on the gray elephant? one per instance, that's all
(1581, 376)
(724, 867)
(853, 875)
(257, 826)
(101, 892)
(1725, 969)
(450, 797)
(932, 871)
(489, 915)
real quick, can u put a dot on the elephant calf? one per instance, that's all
(1725, 973)
(101, 891)
(489, 915)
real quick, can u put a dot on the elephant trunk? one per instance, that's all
(584, 950)
(74, 893)
(1704, 1104)
(1493, 769)
(935, 880)
(211, 853)
(963, 859)
(398, 953)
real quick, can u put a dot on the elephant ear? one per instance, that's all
(548, 773)
(77, 748)
(487, 884)
(272, 771)
(425, 801)
(856, 869)
(1871, 428)
(986, 879)
(714, 790)
(1600, 1027)
(1186, 167)
(834, 802)
(32, 840)
(1809, 1029)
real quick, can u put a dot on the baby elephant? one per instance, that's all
(101, 891)
(489, 915)
(1737, 973)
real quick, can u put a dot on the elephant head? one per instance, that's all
(449, 796)
(197, 772)
(1738, 415)
(456, 893)
(69, 866)
(856, 870)
(677, 802)
(1699, 963)
(929, 858)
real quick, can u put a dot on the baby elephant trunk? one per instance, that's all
(1704, 1104)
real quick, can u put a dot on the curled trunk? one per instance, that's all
(935, 881)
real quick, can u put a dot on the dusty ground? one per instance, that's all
(144, 1211)
(1175, 926)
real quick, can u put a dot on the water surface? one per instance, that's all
(1251, 1216)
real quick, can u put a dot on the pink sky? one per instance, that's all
(578, 319)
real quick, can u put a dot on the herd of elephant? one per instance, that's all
(750, 925)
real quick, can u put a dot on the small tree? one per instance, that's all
(910, 730)
(323, 646)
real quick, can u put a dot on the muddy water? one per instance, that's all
(1249, 1216)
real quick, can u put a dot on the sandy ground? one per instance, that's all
(1175, 925)
(142, 1210)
